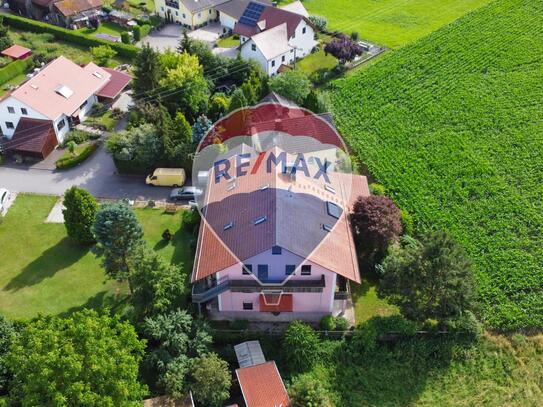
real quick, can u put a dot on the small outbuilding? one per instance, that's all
(17, 52)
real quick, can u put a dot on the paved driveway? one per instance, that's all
(98, 175)
(168, 37)
(210, 33)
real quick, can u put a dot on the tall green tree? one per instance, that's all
(210, 380)
(158, 287)
(141, 146)
(200, 127)
(118, 234)
(218, 106)
(79, 215)
(5, 39)
(301, 347)
(237, 100)
(293, 85)
(83, 360)
(148, 72)
(175, 339)
(428, 279)
(7, 336)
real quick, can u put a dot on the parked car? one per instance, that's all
(4, 198)
(184, 194)
(167, 177)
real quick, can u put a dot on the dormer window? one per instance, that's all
(276, 250)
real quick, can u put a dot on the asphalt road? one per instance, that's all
(98, 175)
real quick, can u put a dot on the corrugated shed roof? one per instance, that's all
(70, 7)
(31, 135)
(117, 82)
(262, 386)
(16, 51)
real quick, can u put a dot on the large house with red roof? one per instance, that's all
(36, 116)
(276, 246)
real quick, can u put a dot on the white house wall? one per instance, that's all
(184, 16)
(304, 42)
(227, 21)
(14, 118)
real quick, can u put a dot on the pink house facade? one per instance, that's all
(276, 247)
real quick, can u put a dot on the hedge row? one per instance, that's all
(70, 162)
(124, 50)
(13, 69)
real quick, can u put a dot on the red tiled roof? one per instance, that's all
(262, 386)
(71, 7)
(117, 82)
(16, 51)
(294, 222)
(33, 136)
(273, 17)
(276, 302)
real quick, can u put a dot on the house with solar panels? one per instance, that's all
(274, 37)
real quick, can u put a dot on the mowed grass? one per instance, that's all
(453, 127)
(314, 62)
(392, 23)
(366, 303)
(104, 28)
(42, 271)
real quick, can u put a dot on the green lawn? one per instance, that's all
(366, 303)
(42, 271)
(104, 28)
(228, 42)
(106, 120)
(393, 23)
(45, 45)
(316, 61)
(13, 81)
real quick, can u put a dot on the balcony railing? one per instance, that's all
(173, 4)
(292, 286)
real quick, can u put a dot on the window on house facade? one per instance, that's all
(9, 125)
(61, 124)
(306, 270)
(289, 269)
(276, 250)
(283, 58)
(176, 13)
(333, 210)
(24, 111)
(199, 15)
(11, 109)
(273, 63)
(304, 30)
(83, 104)
(184, 15)
(253, 47)
(262, 272)
(247, 306)
(247, 269)
(209, 11)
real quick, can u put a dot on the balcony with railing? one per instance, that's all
(173, 4)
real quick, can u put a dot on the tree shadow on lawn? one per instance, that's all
(64, 254)
(103, 299)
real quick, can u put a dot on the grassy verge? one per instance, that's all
(42, 271)
(314, 62)
(104, 28)
(12, 82)
(105, 121)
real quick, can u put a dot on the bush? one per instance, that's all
(79, 137)
(355, 36)
(308, 391)
(341, 324)
(145, 29)
(63, 34)
(125, 37)
(466, 324)
(301, 347)
(107, 8)
(328, 323)
(378, 189)
(365, 337)
(319, 22)
(408, 223)
(70, 162)
(137, 32)
(13, 69)
(79, 215)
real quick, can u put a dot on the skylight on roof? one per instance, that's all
(329, 188)
(97, 74)
(229, 225)
(264, 187)
(64, 91)
(260, 219)
(333, 210)
(230, 187)
(326, 227)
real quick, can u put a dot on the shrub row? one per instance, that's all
(70, 162)
(13, 69)
(124, 50)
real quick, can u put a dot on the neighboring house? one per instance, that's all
(231, 11)
(75, 13)
(57, 97)
(260, 382)
(122, 18)
(189, 13)
(273, 36)
(35, 9)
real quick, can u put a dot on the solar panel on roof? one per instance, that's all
(251, 14)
